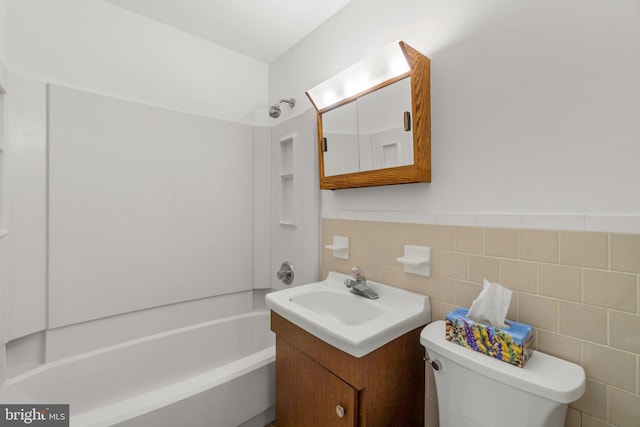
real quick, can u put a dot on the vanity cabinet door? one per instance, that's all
(309, 395)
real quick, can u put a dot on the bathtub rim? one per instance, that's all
(147, 402)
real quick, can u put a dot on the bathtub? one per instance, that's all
(217, 373)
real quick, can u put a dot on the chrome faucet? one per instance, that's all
(359, 285)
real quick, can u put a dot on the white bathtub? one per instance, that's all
(218, 373)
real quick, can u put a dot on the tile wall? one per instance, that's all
(580, 290)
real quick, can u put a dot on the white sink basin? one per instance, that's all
(352, 323)
(330, 304)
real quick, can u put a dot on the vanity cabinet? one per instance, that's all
(320, 385)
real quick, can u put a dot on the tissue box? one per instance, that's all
(513, 345)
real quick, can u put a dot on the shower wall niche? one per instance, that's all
(286, 182)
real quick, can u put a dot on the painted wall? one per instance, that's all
(534, 108)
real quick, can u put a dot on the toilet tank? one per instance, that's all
(476, 390)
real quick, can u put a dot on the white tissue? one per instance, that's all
(492, 305)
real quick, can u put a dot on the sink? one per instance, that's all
(352, 323)
(348, 311)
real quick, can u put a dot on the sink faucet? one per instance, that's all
(359, 285)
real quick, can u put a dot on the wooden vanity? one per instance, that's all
(318, 385)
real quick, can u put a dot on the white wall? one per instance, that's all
(534, 108)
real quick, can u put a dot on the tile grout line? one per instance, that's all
(609, 251)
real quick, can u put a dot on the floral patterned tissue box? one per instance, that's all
(512, 344)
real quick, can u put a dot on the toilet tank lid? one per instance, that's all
(543, 375)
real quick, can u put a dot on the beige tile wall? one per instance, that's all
(580, 290)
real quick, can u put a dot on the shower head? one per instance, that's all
(274, 110)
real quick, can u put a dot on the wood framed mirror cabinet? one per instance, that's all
(380, 135)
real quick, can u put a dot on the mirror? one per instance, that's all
(340, 150)
(380, 136)
(372, 132)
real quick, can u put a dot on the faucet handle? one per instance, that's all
(285, 274)
(358, 274)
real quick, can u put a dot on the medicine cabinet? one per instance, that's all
(374, 121)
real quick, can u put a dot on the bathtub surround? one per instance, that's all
(26, 313)
(3, 209)
(295, 200)
(151, 205)
(27, 211)
(87, 336)
(579, 289)
(261, 203)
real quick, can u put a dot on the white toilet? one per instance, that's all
(475, 390)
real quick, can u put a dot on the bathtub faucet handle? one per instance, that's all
(285, 274)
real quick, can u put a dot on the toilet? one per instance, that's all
(475, 390)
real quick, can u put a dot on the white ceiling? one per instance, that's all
(261, 29)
